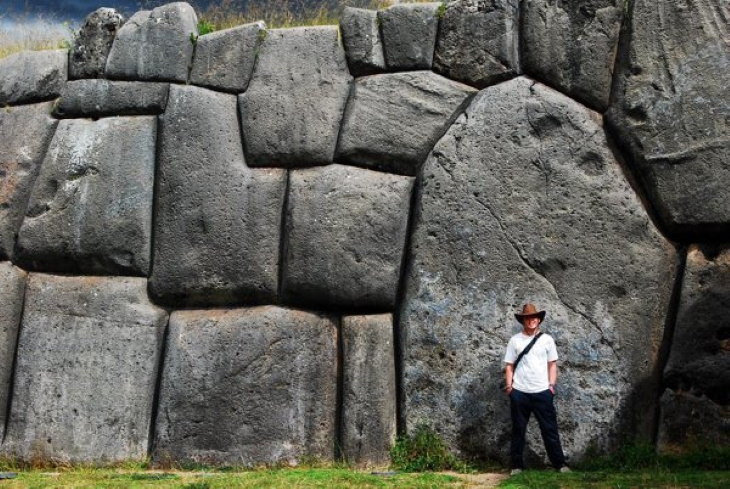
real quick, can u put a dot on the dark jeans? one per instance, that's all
(522, 405)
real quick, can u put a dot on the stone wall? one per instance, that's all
(262, 245)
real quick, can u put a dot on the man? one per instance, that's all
(531, 387)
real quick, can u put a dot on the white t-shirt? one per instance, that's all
(532, 372)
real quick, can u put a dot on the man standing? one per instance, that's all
(531, 375)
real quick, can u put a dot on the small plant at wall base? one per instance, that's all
(424, 450)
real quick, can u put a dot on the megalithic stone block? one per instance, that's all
(291, 111)
(369, 389)
(393, 120)
(32, 76)
(218, 222)
(25, 132)
(155, 45)
(523, 201)
(409, 35)
(248, 387)
(345, 236)
(12, 290)
(88, 356)
(98, 98)
(92, 43)
(687, 420)
(361, 38)
(91, 207)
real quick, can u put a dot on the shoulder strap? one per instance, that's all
(526, 350)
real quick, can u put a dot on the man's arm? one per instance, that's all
(552, 375)
(509, 371)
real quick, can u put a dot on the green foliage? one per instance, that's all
(197, 485)
(424, 450)
(441, 10)
(643, 456)
(544, 479)
(205, 27)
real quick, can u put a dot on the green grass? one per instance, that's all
(424, 450)
(653, 479)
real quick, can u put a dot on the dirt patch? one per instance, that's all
(486, 480)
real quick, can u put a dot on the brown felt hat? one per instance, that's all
(529, 310)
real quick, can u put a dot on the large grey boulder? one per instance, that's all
(25, 133)
(155, 45)
(12, 291)
(91, 207)
(688, 421)
(523, 201)
(369, 389)
(409, 35)
(291, 111)
(225, 59)
(572, 46)
(32, 76)
(478, 42)
(88, 356)
(98, 98)
(92, 43)
(393, 120)
(361, 38)
(248, 387)
(345, 236)
(670, 107)
(218, 222)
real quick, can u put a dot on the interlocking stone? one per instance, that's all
(361, 37)
(218, 222)
(32, 76)
(291, 111)
(155, 45)
(670, 108)
(225, 59)
(25, 132)
(88, 356)
(91, 207)
(345, 235)
(409, 35)
(393, 120)
(12, 289)
(92, 43)
(248, 387)
(478, 42)
(98, 98)
(523, 201)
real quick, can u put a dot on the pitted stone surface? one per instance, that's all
(369, 397)
(572, 46)
(92, 43)
(361, 37)
(25, 133)
(91, 207)
(12, 290)
(409, 35)
(97, 98)
(88, 355)
(291, 111)
(32, 76)
(689, 421)
(248, 387)
(218, 222)
(670, 107)
(522, 201)
(154, 45)
(478, 42)
(225, 59)
(393, 120)
(345, 235)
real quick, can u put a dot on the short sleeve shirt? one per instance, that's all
(532, 372)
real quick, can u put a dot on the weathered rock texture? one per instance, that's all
(478, 41)
(345, 236)
(155, 45)
(291, 112)
(92, 43)
(369, 397)
(87, 362)
(522, 201)
(409, 35)
(361, 37)
(12, 291)
(97, 98)
(670, 109)
(25, 133)
(248, 386)
(217, 224)
(572, 46)
(392, 121)
(32, 76)
(225, 59)
(91, 207)
(691, 422)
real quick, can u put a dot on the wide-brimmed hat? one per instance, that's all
(529, 310)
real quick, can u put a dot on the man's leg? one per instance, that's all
(520, 410)
(545, 414)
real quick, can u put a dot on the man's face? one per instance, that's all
(531, 322)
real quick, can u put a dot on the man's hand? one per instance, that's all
(552, 389)
(508, 390)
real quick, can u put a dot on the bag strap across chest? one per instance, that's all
(526, 350)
